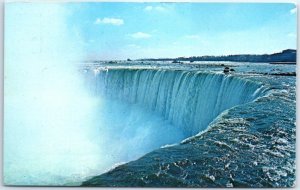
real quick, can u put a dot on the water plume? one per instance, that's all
(56, 132)
(59, 131)
(47, 112)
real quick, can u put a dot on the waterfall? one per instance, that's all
(190, 100)
(128, 113)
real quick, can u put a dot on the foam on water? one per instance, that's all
(190, 100)
(57, 132)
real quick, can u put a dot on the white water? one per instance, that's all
(47, 115)
(189, 100)
(57, 133)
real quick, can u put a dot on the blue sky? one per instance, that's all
(140, 30)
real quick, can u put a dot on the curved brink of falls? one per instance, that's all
(190, 100)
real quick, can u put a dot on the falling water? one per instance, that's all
(58, 133)
(190, 100)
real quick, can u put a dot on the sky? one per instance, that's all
(41, 39)
(112, 31)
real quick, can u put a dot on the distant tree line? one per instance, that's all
(288, 55)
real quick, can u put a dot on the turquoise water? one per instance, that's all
(239, 129)
(155, 124)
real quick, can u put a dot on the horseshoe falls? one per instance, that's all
(82, 107)
(205, 123)
(189, 100)
(130, 112)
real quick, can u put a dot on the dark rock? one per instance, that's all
(284, 74)
(175, 61)
(226, 70)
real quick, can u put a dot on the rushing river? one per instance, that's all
(239, 129)
(185, 125)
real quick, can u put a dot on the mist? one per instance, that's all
(56, 132)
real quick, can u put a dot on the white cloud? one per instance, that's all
(112, 21)
(140, 35)
(292, 35)
(194, 37)
(133, 46)
(293, 11)
(148, 8)
(156, 8)
(159, 8)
